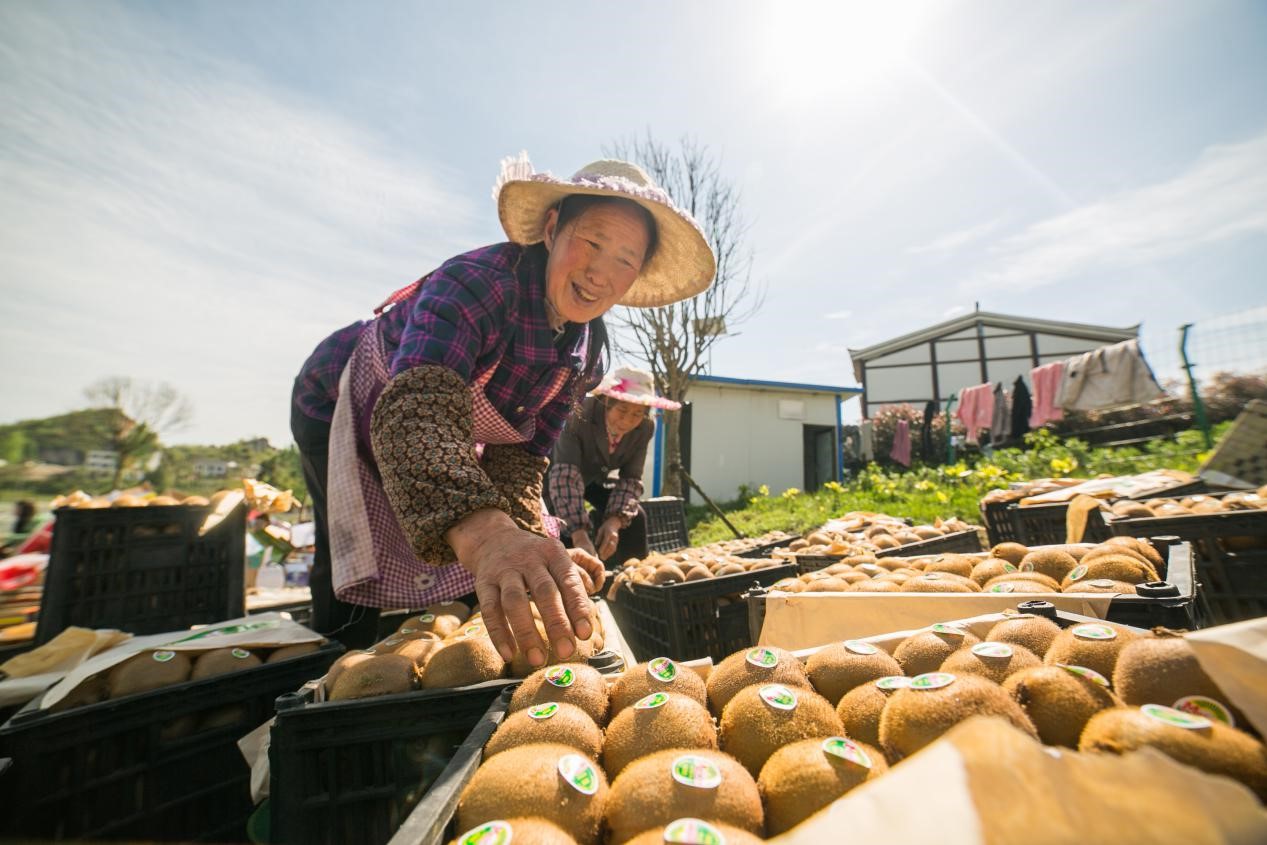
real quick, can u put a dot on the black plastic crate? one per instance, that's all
(765, 549)
(999, 525)
(666, 524)
(690, 620)
(1044, 525)
(351, 771)
(142, 570)
(1230, 550)
(120, 770)
(965, 542)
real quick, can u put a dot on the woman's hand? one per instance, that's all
(581, 540)
(608, 537)
(593, 573)
(510, 565)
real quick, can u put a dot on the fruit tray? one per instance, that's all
(999, 525)
(351, 771)
(1230, 552)
(690, 620)
(127, 769)
(142, 570)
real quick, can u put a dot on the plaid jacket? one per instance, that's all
(478, 309)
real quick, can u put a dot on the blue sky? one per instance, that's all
(199, 192)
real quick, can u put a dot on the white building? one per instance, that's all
(937, 362)
(750, 432)
(210, 468)
(101, 460)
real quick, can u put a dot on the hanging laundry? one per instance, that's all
(976, 409)
(926, 433)
(1046, 380)
(901, 451)
(866, 447)
(1021, 408)
(1001, 423)
(1106, 377)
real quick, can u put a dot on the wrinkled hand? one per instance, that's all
(593, 573)
(608, 537)
(510, 565)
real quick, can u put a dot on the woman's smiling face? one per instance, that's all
(594, 259)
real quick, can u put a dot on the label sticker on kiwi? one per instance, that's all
(579, 773)
(697, 771)
(473, 630)
(931, 576)
(693, 832)
(650, 702)
(1200, 705)
(392, 642)
(407, 631)
(952, 630)
(859, 647)
(847, 749)
(778, 696)
(662, 669)
(1094, 632)
(427, 618)
(762, 658)
(1027, 566)
(892, 682)
(988, 649)
(541, 712)
(163, 656)
(240, 653)
(1176, 718)
(1078, 572)
(560, 676)
(1083, 671)
(1101, 583)
(870, 567)
(489, 833)
(1009, 567)
(1005, 587)
(932, 680)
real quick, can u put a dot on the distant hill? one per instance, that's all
(79, 431)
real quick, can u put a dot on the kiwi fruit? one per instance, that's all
(1162, 669)
(1013, 553)
(1053, 563)
(1143, 547)
(658, 675)
(221, 661)
(990, 568)
(839, 667)
(573, 683)
(196, 501)
(1102, 585)
(420, 650)
(1035, 633)
(991, 660)
(582, 651)
(1132, 510)
(933, 704)
(926, 651)
(860, 708)
(1045, 583)
(163, 501)
(147, 671)
(1059, 701)
(90, 691)
(565, 724)
(348, 660)
(669, 785)
(1114, 567)
(287, 652)
(380, 674)
(954, 564)
(875, 585)
(1093, 645)
(440, 624)
(668, 573)
(827, 585)
(802, 778)
(1214, 747)
(659, 721)
(759, 665)
(521, 831)
(456, 609)
(696, 830)
(538, 780)
(762, 718)
(472, 660)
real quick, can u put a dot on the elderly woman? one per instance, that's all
(424, 431)
(609, 434)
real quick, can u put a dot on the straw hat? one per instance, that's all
(629, 384)
(683, 264)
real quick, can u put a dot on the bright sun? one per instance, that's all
(813, 48)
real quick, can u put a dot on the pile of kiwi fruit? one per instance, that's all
(84, 501)
(768, 738)
(863, 532)
(1115, 566)
(1162, 506)
(682, 567)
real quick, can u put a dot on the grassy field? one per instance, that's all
(926, 493)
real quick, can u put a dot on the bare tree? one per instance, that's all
(145, 410)
(675, 340)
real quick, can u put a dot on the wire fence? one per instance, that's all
(1231, 343)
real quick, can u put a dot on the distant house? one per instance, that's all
(211, 468)
(259, 444)
(752, 432)
(937, 362)
(60, 456)
(101, 460)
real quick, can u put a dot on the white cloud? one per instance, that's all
(1222, 195)
(839, 315)
(167, 215)
(958, 239)
(955, 311)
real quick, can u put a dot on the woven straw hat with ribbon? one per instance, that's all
(683, 264)
(629, 384)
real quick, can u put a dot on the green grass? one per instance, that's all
(926, 493)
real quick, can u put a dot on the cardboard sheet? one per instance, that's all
(805, 620)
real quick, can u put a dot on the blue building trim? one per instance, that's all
(779, 385)
(840, 440)
(659, 456)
